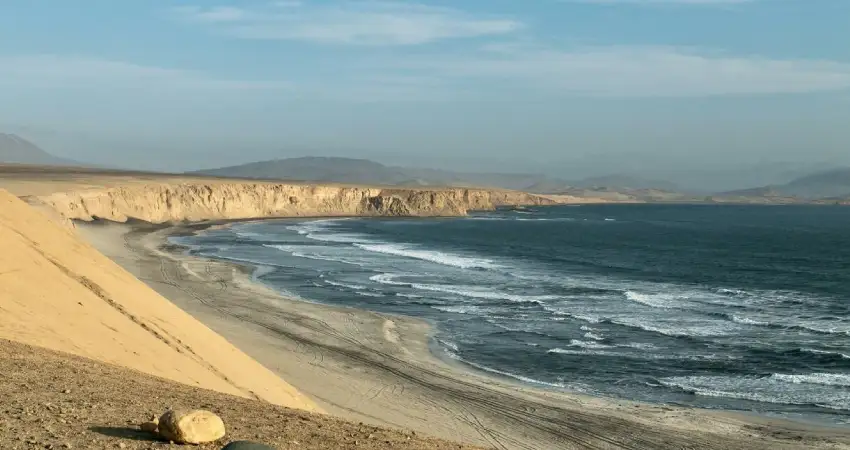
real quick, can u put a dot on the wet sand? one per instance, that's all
(378, 369)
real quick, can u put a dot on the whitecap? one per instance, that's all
(460, 309)
(368, 294)
(665, 301)
(507, 374)
(595, 337)
(437, 257)
(464, 291)
(825, 352)
(588, 344)
(829, 379)
(762, 389)
(747, 321)
(345, 285)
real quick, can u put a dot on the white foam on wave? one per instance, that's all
(368, 294)
(543, 219)
(449, 344)
(507, 374)
(355, 287)
(304, 251)
(595, 337)
(445, 259)
(747, 321)
(460, 309)
(665, 301)
(612, 352)
(763, 389)
(477, 292)
(680, 328)
(588, 344)
(828, 379)
(825, 352)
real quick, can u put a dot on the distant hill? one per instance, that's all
(626, 182)
(17, 150)
(834, 183)
(362, 171)
(326, 169)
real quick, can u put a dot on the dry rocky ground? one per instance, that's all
(51, 400)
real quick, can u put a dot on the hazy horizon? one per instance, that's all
(570, 88)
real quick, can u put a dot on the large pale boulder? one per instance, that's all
(193, 427)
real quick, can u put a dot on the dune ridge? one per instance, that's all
(58, 292)
(175, 202)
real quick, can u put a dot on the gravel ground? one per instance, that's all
(52, 400)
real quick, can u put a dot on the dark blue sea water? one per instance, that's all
(736, 307)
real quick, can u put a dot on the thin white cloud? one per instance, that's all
(57, 71)
(638, 71)
(353, 23)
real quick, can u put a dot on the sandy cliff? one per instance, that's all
(58, 292)
(195, 201)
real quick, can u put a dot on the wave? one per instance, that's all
(611, 352)
(595, 337)
(828, 379)
(449, 344)
(445, 259)
(319, 230)
(588, 344)
(294, 251)
(665, 301)
(508, 374)
(368, 294)
(679, 330)
(825, 352)
(746, 321)
(760, 389)
(543, 219)
(809, 327)
(355, 287)
(461, 309)
(464, 291)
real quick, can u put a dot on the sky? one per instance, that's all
(568, 87)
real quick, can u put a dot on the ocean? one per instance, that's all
(734, 307)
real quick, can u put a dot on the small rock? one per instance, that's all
(150, 427)
(122, 445)
(193, 427)
(66, 391)
(67, 445)
(246, 445)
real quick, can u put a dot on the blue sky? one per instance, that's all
(587, 85)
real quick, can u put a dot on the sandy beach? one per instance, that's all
(378, 369)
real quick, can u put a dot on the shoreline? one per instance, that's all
(437, 347)
(379, 368)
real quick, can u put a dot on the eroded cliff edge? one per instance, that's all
(159, 203)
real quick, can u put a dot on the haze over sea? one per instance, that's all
(734, 307)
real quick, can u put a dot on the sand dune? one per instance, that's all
(58, 292)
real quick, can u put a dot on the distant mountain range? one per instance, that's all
(829, 184)
(362, 171)
(17, 150)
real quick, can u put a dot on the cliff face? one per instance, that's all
(158, 203)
